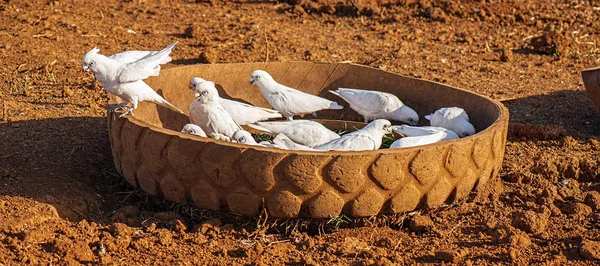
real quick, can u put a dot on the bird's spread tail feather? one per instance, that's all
(166, 104)
(428, 117)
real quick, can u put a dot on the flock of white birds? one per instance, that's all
(211, 116)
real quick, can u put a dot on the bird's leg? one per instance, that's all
(290, 118)
(134, 104)
(366, 119)
(219, 136)
(314, 114)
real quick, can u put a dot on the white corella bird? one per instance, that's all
(412, 131)
(193, 130)
(420, 140)
(244, 137)
(367, 138)
(242, 113)
(305, 132)
(207, 112)
(122, 75)
(289, 102)
(377, 105)
(453, 118)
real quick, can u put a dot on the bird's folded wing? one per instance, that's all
(245, 113)
(300, 102)
(146, 66)
(372, 102)
(354, 142)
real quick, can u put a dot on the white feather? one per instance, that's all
(420, 140)
(412, 131)
(376, 104)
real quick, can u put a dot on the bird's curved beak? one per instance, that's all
(252, 80)
(86, 68)
(196, 94)
(414, 123)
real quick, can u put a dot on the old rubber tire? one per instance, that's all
(150, 152)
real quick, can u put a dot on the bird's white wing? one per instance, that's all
(309, 135)
(304, 132)
(243, 113)
(370, 102)
(453, 112)
(419, 140)
(298, 102)
(131, 56)
(146, 66)
(349, 142)
(221, 121)
(412, 131)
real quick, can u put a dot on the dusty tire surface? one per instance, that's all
(150, 153)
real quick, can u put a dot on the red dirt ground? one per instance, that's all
(61, 201)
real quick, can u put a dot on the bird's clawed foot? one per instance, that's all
(128, 110)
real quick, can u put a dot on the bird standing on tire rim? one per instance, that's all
(122, 75)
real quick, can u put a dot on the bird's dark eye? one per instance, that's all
(204, 92)
(257, 77)
(92, 64)
(410, 120)
(192, 131)
(242, 140)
